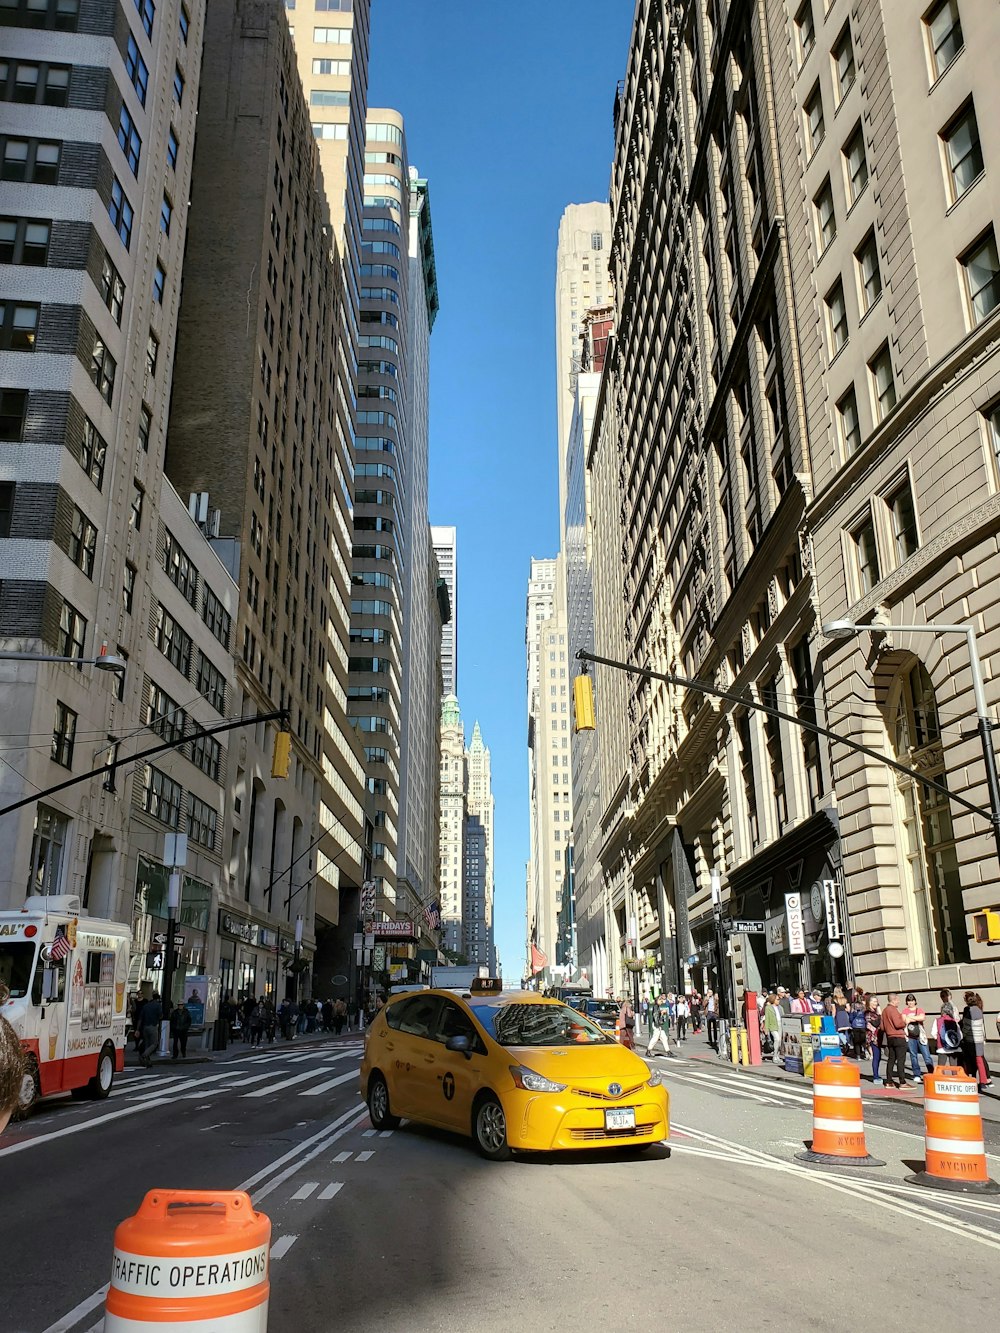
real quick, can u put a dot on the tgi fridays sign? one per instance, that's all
(395, 930)
(795, 924)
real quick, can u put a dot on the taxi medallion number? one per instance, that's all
(622, 1117)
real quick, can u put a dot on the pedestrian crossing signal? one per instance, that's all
(986, 927)
(583, 703)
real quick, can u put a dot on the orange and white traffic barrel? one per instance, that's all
(954, 1149)
(195, 1260)
(838, 1123)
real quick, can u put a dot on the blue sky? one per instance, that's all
(507, 136)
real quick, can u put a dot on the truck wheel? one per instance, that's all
(29, 1092)
(99, 1086)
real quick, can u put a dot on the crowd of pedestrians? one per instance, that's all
(259, 1020)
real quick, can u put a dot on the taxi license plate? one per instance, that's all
(622, 1117)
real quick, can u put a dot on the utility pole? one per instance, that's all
(175, 856)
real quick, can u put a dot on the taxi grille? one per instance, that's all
(640, 1132)
(605, 1096)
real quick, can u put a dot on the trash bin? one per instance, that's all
(220, 1036)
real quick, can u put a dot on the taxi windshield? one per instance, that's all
(16, 958)
(526, 1024)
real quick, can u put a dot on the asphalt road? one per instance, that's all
(412, 1231)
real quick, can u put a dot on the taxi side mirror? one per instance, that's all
(459, 1043)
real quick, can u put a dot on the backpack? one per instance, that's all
(949, 1034)
(858, 1020)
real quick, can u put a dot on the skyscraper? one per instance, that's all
(453, 810)
(480, 806)
(445, 541)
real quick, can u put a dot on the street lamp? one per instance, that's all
(103, 661)
(846, 629)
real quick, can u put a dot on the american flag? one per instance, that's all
(432, 915)
(60, 946)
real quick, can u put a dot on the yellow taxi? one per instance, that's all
(513, 1069)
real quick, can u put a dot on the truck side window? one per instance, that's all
(93, 969)
(36, 983)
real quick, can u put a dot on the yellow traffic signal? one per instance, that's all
(986, 927)
(583, 703)
(282, 754)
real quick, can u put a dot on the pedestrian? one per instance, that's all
(135, 1009)
(258, 1023)
(973, 1023)
(682, 1010)
(224, 1025)
(784, 1000)
(712, 1019)
(340, 1016)
(859, 1028)
(13, 1067)
(150, 1019)
(816, 1003)
(916, 1037)
(246, 1009)
(947, 1034)
(659, 1026)
(771, 1028)
(694, 1004)
(842, 1022)
(895, 1039)
(873, 1019)
(626, 1024)
(180, 1026)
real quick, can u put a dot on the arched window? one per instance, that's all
(935, 912)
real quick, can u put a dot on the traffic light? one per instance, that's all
(282, 754)
(986, 927)
(583, 703)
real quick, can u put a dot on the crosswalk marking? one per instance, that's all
(331, 1190)
(282, 1084)
(364, 1156)
(342, 1157)
(304, 1191)
(330, 1083)
(386, 1134)
(369, 1133)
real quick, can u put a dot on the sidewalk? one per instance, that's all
(697, 1050)
(239, 1049)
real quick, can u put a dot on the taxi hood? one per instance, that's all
(561, 1063)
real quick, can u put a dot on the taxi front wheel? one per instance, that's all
(378, 1104)
(489, 1129)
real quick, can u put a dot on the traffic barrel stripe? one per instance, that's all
(950, 1108)
(838, 1118)
(956, 1147)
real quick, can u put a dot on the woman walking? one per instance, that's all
(772, 1026)
(873, 1021)
(859, 1028)
(974, 1040)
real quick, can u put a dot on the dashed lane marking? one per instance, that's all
(364, 1156)
(304, 1191)
(369, 1133)
(282, 1246)
(331, 1190)
(343, 1157)
(386, 1134)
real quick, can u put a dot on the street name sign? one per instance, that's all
(747, 927)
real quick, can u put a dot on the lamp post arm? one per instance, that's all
(818, 730)
(115, 764)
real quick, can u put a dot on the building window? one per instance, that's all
(128, 588)
(866, 565)
(906, 539)
(48, 843)
(128, 140)
(136, 69)
(964, 151)
(13, 407)
(146, 10)
(836, 318)
(982, 277)
(23, 241)
(40, 85)
(161, 797)
(944, 35)
(883, 383)
(166, 214)
(185, 24)
(103, 368)
(815, 124)
(211, 683)
(164, 716)
(856, 165)
(135, 510)
(206, 754)
(145, 426)
(93, 453)
(202, 823)
(805, 707)
(173, 642)
(869, 275)
(172, 147)
(179, 569)
(805, 30)
(744, 736)
(72, 631)
(63, 735)
(826, 218)
(83, 543)
(152, 353)
(159, 282)
(178, 86)
(120, 213)
(112, 290)
(18, 326)
(30, 160)
(843, 63)
(848, 423)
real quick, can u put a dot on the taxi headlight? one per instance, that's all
(532, 1082)
(654, 1078)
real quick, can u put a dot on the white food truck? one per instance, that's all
(64, 978)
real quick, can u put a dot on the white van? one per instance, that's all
(64, 977)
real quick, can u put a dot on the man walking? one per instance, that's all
(659, 1026)
(180, 1026)
(894, 1027)
(149, 1020)
(712, 1018)
(682, 1009)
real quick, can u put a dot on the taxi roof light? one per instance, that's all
(486, 986)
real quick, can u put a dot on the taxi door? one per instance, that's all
(457, 1077)
(411, 1055)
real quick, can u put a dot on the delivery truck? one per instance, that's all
(457, 976)
(62, 988)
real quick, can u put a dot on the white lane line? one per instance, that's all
(364, 1156)
(303, 1191)
(330, 1083)
(84, 1124)
(220, 1124)
(358, 1113)
(343, 1157)
(331, 1190)
(323, 1137)
(284, 1083)
(282, 1246)
(74, 1316)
